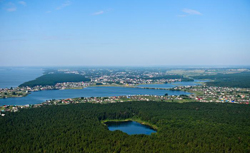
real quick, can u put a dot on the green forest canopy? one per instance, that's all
(241, 80)
(187, 127)
(53, 79)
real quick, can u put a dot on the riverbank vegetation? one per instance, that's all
(187, 127)
(53, 79)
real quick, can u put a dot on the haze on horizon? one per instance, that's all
(124, 33)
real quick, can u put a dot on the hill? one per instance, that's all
(53, 79)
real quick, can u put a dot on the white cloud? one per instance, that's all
(98, 13)
(22, 3)
(48, 12)
(12, 9)
(65, 4)
(191, 12)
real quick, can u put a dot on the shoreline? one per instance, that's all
(114, 85)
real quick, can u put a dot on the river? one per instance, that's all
(42, 96)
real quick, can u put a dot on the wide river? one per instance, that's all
(42, 96)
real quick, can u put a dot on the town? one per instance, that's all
(24, 91)
(217, 94)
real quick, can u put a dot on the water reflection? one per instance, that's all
(130, 127)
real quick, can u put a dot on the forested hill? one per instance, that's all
(53, 79)
(187, 127)
(241, 80)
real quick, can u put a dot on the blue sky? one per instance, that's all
(124, 33)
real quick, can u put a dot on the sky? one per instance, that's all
(124, 33)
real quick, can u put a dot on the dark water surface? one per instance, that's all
(130, 127)
(14, 76)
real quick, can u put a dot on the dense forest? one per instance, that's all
(186, 127)
(241, 80)
(53, 79)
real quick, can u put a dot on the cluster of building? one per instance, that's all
(128, 77)
(112, 99)
(23, 91)
(8, 108)
(13, 92)
(129, 80)
(217, 94)
(71, 85)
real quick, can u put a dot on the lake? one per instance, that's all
(130, 127)
(14, 76)
(42, 96)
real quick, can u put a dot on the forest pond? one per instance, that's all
(130, 127)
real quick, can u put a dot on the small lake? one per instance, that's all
(130, 127)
